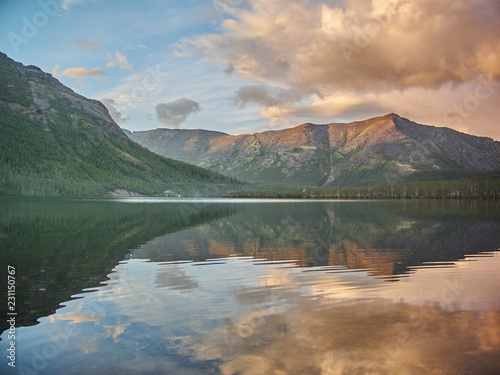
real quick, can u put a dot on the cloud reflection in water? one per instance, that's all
(240, 316)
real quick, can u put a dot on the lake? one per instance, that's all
(250, 287)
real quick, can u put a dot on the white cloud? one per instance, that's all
(66, 4)
(137, 91)
(138, 46)
(118, 60)
(137, 94)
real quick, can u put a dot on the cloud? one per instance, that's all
(467, 108)
(66, 4)
(254, 94)
(365, 45)
(118, 60)
(114, 113)
(138, 92)
(341, 333)
(230, 69)
(88, 44)
(78, 72)
(139, 88)
(262, 96)
(79, 84)
(319, 50)
(349, 107)
(136, 47)
(176, 112)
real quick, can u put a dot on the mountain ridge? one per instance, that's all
(54, 141)
(380, 150)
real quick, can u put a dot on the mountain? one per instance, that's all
(127, 132)
(382, 150)
(56, 142)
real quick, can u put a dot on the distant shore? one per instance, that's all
(473, 188)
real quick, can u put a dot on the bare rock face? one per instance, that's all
(387, 149)
(126, 193)
(47, 100)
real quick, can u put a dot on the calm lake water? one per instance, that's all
(251, 287)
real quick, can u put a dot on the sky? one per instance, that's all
(244, 66)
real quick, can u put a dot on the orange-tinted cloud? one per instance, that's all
(323, 51)
(78, 72)
(119, 60)
(362, 45)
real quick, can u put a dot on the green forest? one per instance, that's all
(483, 186)
(82, 160)
(56, 142)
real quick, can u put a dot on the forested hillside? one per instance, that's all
(56, 142)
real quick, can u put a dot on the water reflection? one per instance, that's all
(62, 246)
(245, 316)
(174, 277)
(217, 289)
(385, 237)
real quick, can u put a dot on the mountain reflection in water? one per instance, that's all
(261, 288)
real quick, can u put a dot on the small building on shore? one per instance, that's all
(170, 193)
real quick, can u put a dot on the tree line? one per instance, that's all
(472, 188)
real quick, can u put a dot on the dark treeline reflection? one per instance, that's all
(386, 237)
(61, 246)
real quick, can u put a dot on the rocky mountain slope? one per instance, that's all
(54, 141)
(387, 149)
